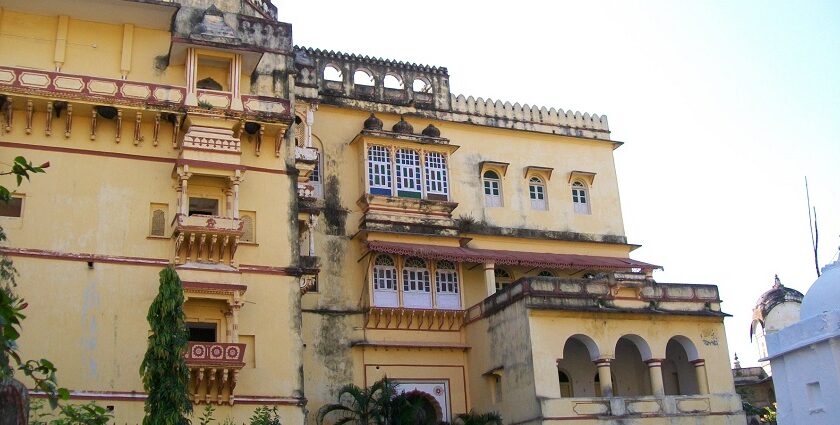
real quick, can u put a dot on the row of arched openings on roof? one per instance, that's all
(630, 369)
(364, 77)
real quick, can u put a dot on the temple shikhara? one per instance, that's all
(334, 218)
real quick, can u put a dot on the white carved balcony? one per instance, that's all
(305, 160)
(211, 139)
(214, 369)
(206, 238)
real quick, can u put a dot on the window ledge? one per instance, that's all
(159, 237)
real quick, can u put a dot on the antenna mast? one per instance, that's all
(812, 222)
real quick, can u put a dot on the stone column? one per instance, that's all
(235, 181)
(605, 376)
(185, 199)
(235, 305)
(490, 278)
(310, 225)
(229, 203)
(310, 119)
(657, 386)
(702, 379)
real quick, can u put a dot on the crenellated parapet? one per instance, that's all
(386, 85)
(351, 76)
(574, 122)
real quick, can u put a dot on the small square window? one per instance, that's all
(13, 208)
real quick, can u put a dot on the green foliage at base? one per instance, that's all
(80, 414)
(164, 370)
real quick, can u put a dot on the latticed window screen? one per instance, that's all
(158, 223)
(247, 229)
(536, 189)
(379, 170)
(446, 278)
(384, 274)
(408, 173)
(436, 179)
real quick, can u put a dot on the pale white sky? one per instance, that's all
(724, 107)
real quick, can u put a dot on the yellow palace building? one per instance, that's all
(334, 219)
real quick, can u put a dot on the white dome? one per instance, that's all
(824, 294)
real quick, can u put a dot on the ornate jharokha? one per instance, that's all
(214, 370)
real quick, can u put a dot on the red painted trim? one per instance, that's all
(138, 261)
(87, 152)
(57, 255)
(198, 163)
(229, 287)
(141, 396)
(139, 157)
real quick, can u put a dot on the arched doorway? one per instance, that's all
(629, 371)
(678, 374)
(428, 410)
(575, 368)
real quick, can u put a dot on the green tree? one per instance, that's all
(472, 418)
(381, 404)
(164, 370)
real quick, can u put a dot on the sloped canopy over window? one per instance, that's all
(518, 258)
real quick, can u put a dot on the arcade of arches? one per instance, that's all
(632, 371)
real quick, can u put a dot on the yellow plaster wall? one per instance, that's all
(421, 364)
(27, 40)
(104, 215)
(550, 330)
(93, 48)
(336, 127)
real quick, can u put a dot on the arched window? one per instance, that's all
(385, 282)
(492, 189)
(536, 189)
(158, 223)
(408, 173)
(446, 286)
(503, 278)
(208, 84)
(545, 273)
(565, 383)
(437, 181)
(580, 198)
(332, 73)
(379, 170)
(392, 81)
(417, 291)
(421, 85)
(315, 178)
(363, 78)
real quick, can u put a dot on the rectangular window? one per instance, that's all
(202, 332)
(408, 173)
(385, 287)
(446, 285)
(492, 193)
(416, 288)
(379, 170)
(537, 193)
(13, 208)
(437, 181)
(204, 206)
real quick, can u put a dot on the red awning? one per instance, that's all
(517, 258)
